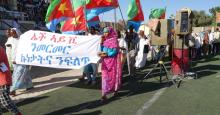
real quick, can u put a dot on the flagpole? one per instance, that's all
(127, 54)
(85, 14)
(74, 18)
(115, 19)
(122, 16)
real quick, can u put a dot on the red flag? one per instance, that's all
(102, 3)
(140, 15)
(78, 23)
(58, 9)
(94, 19)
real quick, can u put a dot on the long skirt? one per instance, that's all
(111, 76)
(141, 60)
(21, 78)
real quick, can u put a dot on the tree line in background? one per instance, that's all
(203, 19)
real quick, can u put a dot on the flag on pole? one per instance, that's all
(76, 24)
(157, 13)
(135, 14)
(58, 10)
(93, 22)
(96, 7)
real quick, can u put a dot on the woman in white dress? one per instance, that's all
(144, 48)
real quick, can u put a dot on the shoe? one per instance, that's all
(30, 88)
(13, 93)
(103, 99)
(115, 94)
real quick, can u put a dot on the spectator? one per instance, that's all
(216, 44)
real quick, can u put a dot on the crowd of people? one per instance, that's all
(117, 48)
(205, 43)
(136, 47)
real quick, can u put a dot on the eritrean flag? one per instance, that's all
(96, 7)
(135, 14)
(93, 22)
(76, 24)
(59, 10)
(157, 13)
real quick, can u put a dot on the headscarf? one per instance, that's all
(110, 40)
(18, 32)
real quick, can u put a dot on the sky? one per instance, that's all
(171, 7)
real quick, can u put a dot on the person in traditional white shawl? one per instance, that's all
(21, 75)
(141, 57)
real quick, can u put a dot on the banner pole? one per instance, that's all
(122, 17)
(115, 19)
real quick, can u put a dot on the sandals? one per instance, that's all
(103, 99)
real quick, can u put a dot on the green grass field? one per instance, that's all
(194, 97)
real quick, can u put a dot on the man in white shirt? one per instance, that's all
(211, 40)
(216, 44)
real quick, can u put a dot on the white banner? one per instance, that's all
(48, 49)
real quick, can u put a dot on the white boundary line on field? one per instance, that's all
(148, 104)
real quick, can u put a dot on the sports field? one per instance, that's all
(193, 97)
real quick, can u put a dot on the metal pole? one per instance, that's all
(74, 17)
(115, 16)
(85, 14)
(122, 16)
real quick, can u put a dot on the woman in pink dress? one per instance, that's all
(111, 64)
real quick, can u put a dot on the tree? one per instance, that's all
(202, 19)
(213, 12)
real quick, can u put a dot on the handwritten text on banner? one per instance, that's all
(48, 49)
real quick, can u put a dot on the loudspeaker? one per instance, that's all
(183, 22)
(161, 36)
